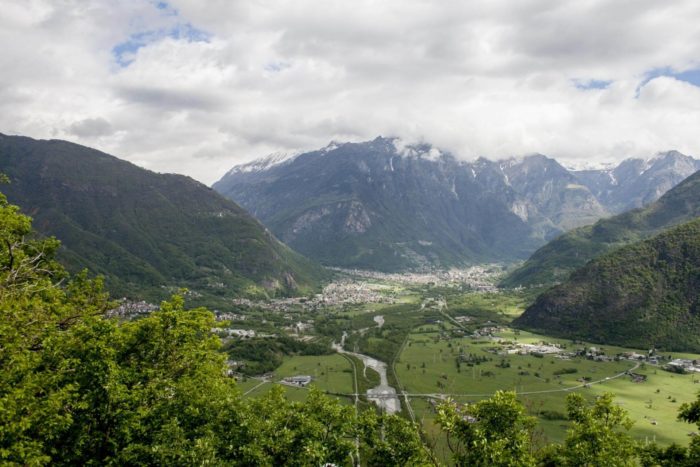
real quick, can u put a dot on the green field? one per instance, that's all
(423, 341)
(332, 373)
(428, 365)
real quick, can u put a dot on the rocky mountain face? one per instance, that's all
(382, 205)
(643, 295)
(555, 260)
(635, 183)
(550, 199)
(147, 233)
(365, 205)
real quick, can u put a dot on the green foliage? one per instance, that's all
(671, 456)
(262, 355)
(598, 435)
(491, 432)
(36, 315)
(690, 412)
(497, 431)
(565, 371)
(391, 440)
(280, 432)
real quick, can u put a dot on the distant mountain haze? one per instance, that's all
(387, 206)
(635, 183)
(148, 233)
(555, 260)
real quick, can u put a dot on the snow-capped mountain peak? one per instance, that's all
(265, 163)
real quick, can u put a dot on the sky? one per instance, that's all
(197, 87)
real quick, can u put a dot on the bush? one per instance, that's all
(565, 371)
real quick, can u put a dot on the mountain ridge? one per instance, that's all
(146, 232)
(556, 259)
(386, 205)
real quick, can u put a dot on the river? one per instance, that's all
(383, 395)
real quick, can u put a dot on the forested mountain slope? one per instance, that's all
(146, 232)
(643, 295)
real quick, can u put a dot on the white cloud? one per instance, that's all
(206, 87)
(91, 127)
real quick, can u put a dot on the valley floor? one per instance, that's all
(447, 340)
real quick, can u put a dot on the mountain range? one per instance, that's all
(147, 233)
(554, 261)
(388, 206)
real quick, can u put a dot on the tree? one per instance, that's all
(276, 431)
(491, 432)
(391, 440)
(148, 391)
(598, 435)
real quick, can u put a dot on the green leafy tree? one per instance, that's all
(39, 305)
(491, 432)
(598, 435)
(391, 440)
(149, 391)
(674, 455)
(276, 431)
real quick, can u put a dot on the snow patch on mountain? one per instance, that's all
(576, 166)
(265, 163)
(422, 151)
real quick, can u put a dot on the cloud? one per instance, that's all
(182, 87)
(91, 128)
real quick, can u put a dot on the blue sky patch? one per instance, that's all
(691, 76)
(124, 52)
(276, 67)
(592, 84)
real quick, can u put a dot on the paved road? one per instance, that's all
(435, 395)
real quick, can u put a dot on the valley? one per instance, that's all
(355, 234)
(456, 340)
(400, 322)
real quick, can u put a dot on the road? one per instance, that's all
(435, 395)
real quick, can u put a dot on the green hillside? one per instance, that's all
(147, 233)
(555, 261)
(643, 295)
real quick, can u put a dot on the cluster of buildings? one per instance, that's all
(344, 292)
(684, 365)
(230, 317)
(129, 309)
(487, 331)
(476, 277)
(300, 380)
(242, 333)
(542, 348)
(299, 327)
